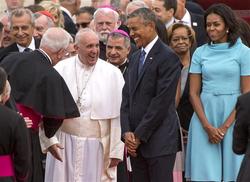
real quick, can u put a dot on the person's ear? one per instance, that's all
(6, 93)
(118, 24)
(60, 54)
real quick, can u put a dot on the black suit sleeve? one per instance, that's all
(168, 74)
(240, 133)
(22, 151)
(125, 106)
(51, 125)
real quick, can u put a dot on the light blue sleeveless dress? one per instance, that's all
(221, 68)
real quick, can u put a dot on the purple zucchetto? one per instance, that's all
(122, 32)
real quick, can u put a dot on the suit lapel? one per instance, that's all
(134, 70)
(149, 60)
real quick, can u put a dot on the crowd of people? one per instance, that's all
(123, 91)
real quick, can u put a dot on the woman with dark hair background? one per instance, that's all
(244, 31)
(219, 73)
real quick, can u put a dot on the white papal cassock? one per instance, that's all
(91, 140)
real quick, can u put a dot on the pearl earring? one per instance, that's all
(227, 31)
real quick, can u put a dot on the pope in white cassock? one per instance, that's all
(88, 148)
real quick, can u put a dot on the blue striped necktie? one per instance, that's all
(141, 61)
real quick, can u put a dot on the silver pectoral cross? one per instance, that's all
(78, 102)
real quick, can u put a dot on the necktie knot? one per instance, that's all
(27, 50)
(141, 60)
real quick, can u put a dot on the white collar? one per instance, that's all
(66, 11)
(170, 22)
(43, 52)
(150, 46)
(186, 19)
(31, 46)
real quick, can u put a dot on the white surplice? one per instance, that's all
(91, 140)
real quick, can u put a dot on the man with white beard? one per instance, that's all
(106, 20)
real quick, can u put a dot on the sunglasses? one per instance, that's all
(82, 25)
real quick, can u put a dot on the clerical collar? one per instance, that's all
(31, 46)
(119, 64)
(123, 62)
(45, 54)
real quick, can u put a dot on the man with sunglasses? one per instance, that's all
(84, 16)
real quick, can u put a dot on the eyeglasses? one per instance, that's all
(82, 25)
(177, 39)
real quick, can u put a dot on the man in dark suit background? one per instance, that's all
(148, 114)
(241, 135)
(69, 8)
(21, 29)
(195, 21)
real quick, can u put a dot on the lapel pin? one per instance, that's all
(195, 24)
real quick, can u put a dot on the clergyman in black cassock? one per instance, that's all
(40, 93)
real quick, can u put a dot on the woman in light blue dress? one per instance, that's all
(220, 72)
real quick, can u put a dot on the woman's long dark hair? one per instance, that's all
(229, 18)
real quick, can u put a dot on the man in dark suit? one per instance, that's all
(165, 10)
(21, 29)
(69, 9)
(241, 135)
(195, 21)
(148, 115)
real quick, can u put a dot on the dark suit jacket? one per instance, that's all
(13, 48)
(194, 8)
(148, 101)
(69, 25)
(14, 141)
(197, 22)
(241, 135)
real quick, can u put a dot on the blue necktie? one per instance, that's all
(141, 61)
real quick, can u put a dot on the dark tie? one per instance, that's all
(27, 50)
(141, 61)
